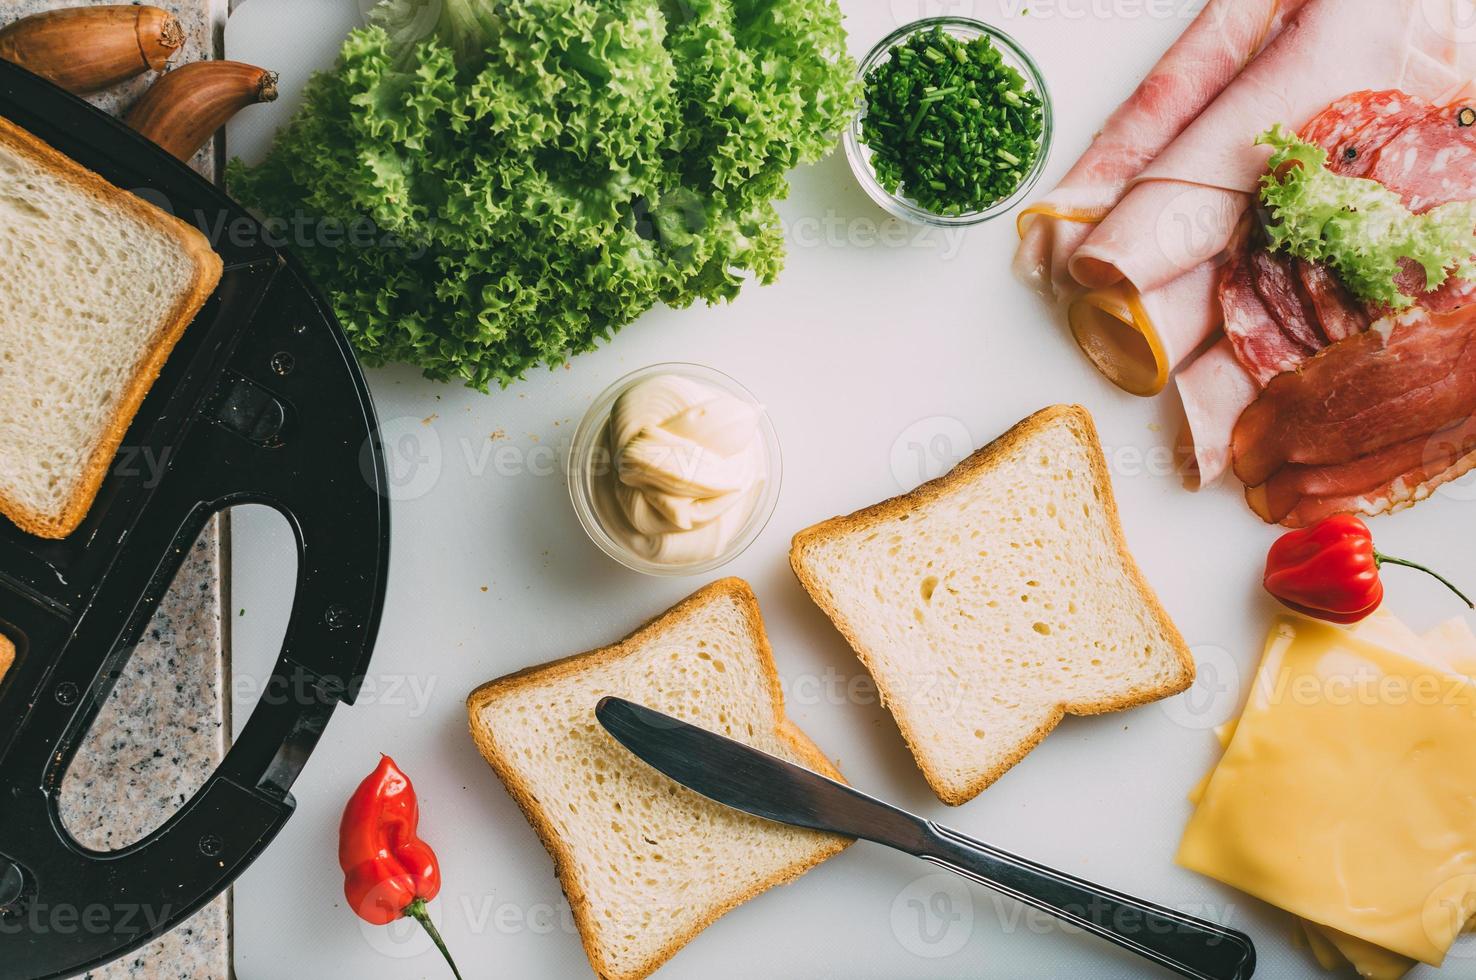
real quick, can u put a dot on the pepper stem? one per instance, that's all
(1383, 559)
(416, 910)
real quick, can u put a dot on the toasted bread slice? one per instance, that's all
(990, 602)
(647, 864)
(96, 286)
(7, 656)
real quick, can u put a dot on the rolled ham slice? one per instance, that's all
(1215, 389)
(1183, 209)
(1185, 205)
(1220, 41)
(1126, 333)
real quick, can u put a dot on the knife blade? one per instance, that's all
(755, 782)
(744, 778)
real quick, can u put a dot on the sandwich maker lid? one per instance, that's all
(261, 402)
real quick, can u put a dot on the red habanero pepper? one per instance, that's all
(1331, 570)
(389, 873)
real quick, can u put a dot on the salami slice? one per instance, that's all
(1338, 313)
(1378, 118)
(1281, 292)
(1260, 345)
(1335, 125)
(1432, 160)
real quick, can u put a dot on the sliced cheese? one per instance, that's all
(1367, 960)
(1345, 795)
(1323, 951)
(1454, 644)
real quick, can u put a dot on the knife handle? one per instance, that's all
(1190, 947)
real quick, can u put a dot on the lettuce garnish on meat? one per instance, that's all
(1358, 226)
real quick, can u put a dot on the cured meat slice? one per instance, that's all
(1335, 125)
(1252, 323)
(1402, 380)
(1452, 295)
(1391, 479)
(1281, 291)
(1380, 115)
(1338, 314)
(1431, 161)
(1212, 50)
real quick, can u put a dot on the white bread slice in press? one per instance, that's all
(96, 286)
(994, 600)
(7, 656)
(645, 863)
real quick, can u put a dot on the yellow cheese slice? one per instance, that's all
(1368, 960)
(1455, 645)
(1323, 951)
(1345, 795)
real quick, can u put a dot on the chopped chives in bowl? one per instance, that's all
(950, 125)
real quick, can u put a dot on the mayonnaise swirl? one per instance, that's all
(689, 468)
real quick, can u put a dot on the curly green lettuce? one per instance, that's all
(521, 178)
(1358, 226)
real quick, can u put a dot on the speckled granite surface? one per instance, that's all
(163, 730)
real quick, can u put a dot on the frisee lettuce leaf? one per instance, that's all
(521, 178)
(1358, 226)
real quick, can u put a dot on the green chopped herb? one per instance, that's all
(942, 113)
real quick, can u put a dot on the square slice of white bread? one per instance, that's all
(646, 863)
(96, 286)
(992, 601)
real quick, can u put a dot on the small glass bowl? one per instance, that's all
(590, 462)
(859, 154)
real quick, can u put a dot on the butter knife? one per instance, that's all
(755, 782)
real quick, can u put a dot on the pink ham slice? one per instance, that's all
(1202, 183)
(1215, 389)
(1183, 210)
(1196, 68)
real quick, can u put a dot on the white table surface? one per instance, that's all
(879, 339)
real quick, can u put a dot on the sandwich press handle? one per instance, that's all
(1182, 943)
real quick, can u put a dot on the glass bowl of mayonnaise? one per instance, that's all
(674, 469)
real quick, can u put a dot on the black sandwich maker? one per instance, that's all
(261, 402)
